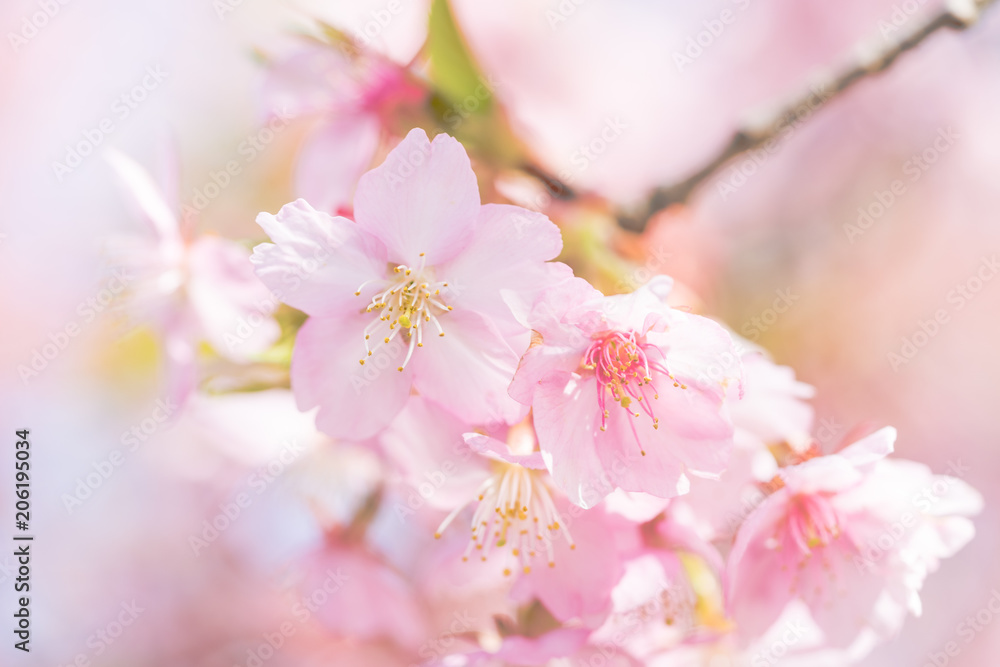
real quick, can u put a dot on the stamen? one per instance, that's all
(623, 364)
(407, 299)
(515, 509)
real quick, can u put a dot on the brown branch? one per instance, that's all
(955, 15)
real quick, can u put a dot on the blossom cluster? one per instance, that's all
(617, 478)
(516, 468)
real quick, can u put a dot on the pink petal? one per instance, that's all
(505, 258)
(149, 196)
(313, 80)
(333, 158)
(233, 306)
(699, 353)
(355, 401)
(870, 449)
(499, 451)
(317, 261)
(423, 199)
(426, 443)
(558, 643)
(579, 585)
(368, 600)
(566, 419)
(468, 370)
(660, 472)
(631, 311)
(757, 591)
(538, 363)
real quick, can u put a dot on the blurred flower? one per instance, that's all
(352, 101)
(841, 538)
(189, 289)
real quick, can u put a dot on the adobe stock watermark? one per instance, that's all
(379, 20)
(440, 646)
(123, 106)
(957, 298)
(248, 150)
(922, 502)
(32, 24)
(558, 14)
(971, 626)
(302, 611)
(424, 489)
(901, 14)
(784, 300)
(744, 169)
(297, 271)
(654, 265)
(104, 637)
(705, 38)
(769, 655)
(88, 311)
(673, 604)
(470, 104)
(132, 439)
(258, 482)
(826, 431)
(913, 169)
(225, 7)
(590, 152)
(404, 166)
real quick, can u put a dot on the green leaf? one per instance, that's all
(453, 70)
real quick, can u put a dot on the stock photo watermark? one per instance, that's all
(32, 24)
(913, 169)
(104, 637)
(123, 107)
(956, 299)
(88, 310)
(247, 151)
(712, 29)
(132, 439)
(258, 482)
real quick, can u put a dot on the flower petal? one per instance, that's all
(317, 262)
(333, 158)
(423, 199)
(499, 451)
(566, 418)
(233, 306)
(426, 442)
(506, 256)
(468, 370)
(354, 401)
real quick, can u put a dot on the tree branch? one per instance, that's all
(870, 60)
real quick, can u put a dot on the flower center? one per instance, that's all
(624, 365)
(811, 522)
(515, 509)
(411, 301)
(812, 527)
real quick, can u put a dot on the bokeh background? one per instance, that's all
(787, 228)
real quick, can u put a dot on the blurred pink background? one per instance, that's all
(859, 292)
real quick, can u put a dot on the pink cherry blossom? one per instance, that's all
(626, 391)
(851, 535)
(504, 507)
(421, 292)
(348, 100)
(189, 289)
(503, 481)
